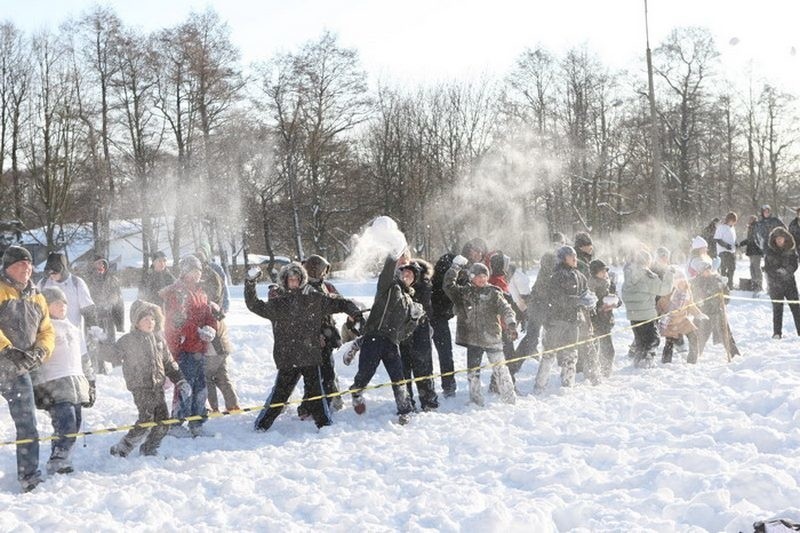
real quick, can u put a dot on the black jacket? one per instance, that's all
(392, 307)
(566, 286)
(297, 317)
(780, 264)
(441, 306)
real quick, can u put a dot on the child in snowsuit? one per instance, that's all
(146, 362)
(680, 315)
(66, 383)
(605, 289)
(480, 308)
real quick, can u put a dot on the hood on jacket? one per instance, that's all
(140, 308)
(788, 242)
(292, 269)
(317, 267)
(56, 263)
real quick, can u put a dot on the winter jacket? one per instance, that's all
(65, 376)
(479, 311)
(640, 289)
(750, 244)
(330, 335)
(225, 298)
(780, 264)
(297, 317)
(146, 361)
(213, 285)
(704, 289)
(539, 291)
(677, 308)
(566, 286)
(393, 307)
(107, 296)
(794, 229)
(423, 290)
(152, 283)
(763, 228)
(583, 263)
(708, 234)
(24, 319)
(603, 316)
(187, 310)
(441, 306)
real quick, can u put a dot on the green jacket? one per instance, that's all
(479, 311)
(640, 289)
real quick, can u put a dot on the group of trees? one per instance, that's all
(100, 121)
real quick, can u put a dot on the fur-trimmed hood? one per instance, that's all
(293, 269)
(788, 243)
(140, 308)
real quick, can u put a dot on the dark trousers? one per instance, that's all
(788, 291)
(417, 356)
(605, 348)
(152, 408)
(443, 341)
(285, 382)
(329, 382)
(756, 276)
(727, 267)
(645, 337)
(529, 344)
(378, 349)
(66, 419)
(669, 348)
(18, 392)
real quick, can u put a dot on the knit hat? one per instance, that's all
(500, 264)
(54, 294)
(189, 263)
(662, 252)
(558, 238)
(159, 255)
(14, 254)
(596, 266)
(56, 263)
(582, 239)
(565, 251)
(477, 269)
(699, 242)
(765, 207)
(700, 264)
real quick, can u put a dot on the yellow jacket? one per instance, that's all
(24, 319)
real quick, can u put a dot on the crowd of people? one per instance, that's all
(55, 336)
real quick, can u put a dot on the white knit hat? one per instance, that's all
(699, 242)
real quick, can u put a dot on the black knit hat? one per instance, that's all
(56, 263)
(596, 266)
(14, 254)
(582, 239)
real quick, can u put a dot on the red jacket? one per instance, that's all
(186, 309)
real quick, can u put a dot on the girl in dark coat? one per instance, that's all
(780, 264)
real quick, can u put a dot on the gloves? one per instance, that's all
(459, 261)
(207, 333)
(512, 332)
(97, 333)
(216, 311)
(184, 390)
(253, 274)
(25, 361)
(92, 395)
(355, 323)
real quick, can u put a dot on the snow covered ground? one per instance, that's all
(711, 447)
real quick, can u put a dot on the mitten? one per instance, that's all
(184, 389)
(92, 395)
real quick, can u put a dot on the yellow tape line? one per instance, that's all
(174, 421)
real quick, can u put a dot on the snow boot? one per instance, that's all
(359, 405)
(404, 419)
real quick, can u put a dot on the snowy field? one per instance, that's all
(711, 447)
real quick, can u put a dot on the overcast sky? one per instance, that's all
(428, 40)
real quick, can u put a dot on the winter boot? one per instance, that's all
(404, 419)
(475, 393)
(359, 405)
(337, 404)
(59, 463)
(666, 355)
(122, 448)
(29, 483)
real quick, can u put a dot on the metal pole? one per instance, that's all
(655, 141)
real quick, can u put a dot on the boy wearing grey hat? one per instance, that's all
(478, 305)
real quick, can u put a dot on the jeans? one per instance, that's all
(18, 392)
(192, 366)
(378, 349)
(66, 419)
